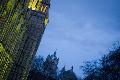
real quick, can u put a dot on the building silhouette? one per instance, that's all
(22, 24)
(67, 74)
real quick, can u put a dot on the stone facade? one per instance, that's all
(22, 24)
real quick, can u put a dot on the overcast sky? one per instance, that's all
(81, 30)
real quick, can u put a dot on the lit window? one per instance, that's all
(46, 21)
(43, 7)
(37, 5)
(32, 4)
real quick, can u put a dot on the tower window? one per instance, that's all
(37, 5)
(32, 4)
(46, 21)
(43, 7)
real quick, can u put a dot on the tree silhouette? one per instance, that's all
(111, 65)
(107, 68)
(36, 69)
(50, 65)
(44, 70)
(48, 69)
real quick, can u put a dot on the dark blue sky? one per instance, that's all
(81, 30)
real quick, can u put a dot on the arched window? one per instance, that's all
(43, 8)
(32, 4)
(37, 5)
